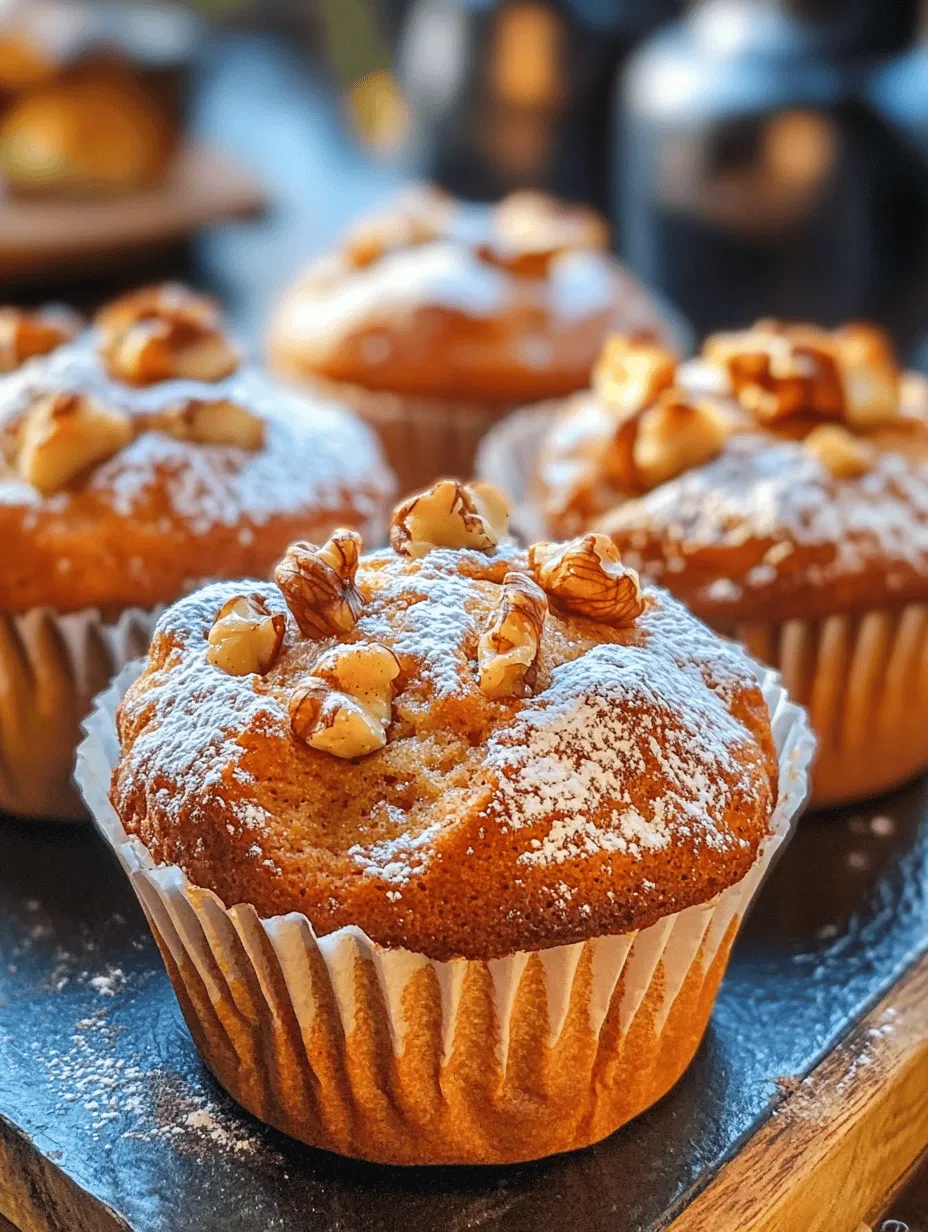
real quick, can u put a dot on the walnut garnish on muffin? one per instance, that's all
(844, 455)
(675, 434)
(62, 434)
(450, 515)
(531, 228)
(23, 335)
(586, 576)
(345, 706)
(246, 637)
(630, 375)
(164, 333)
(507, 653)
(318, 584)
(211, 422)
(782, 373)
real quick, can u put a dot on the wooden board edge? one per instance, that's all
(38, 1197)
(842, 1139)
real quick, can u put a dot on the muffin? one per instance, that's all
(437, 317)
(778, 486)
(95, 131)
(137, 460)
(444, 846)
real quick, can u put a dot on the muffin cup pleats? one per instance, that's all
(864, 679)
(391, 1056)
(424, 438)
(51, 666)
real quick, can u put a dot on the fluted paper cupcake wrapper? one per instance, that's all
(862, 675)
(51, 667)
(389, 1055)
(424, 438)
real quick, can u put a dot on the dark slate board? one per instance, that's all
(99, 1076)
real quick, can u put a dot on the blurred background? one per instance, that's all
(754, 156)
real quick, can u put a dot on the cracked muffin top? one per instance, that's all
(459, 746)
(782, 474)
(139, 458)
(441, 299)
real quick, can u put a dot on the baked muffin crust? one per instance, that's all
(634, 774)
(813, 501)
(171, 497)
(439, 299)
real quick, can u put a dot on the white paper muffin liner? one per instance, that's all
(51, 666)
(389, 1055)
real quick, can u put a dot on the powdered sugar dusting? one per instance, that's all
(315, 453)
(611, 721)
(763, 490)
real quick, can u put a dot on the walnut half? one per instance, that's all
(63, 434)
(318, 584)
(677, 433)
(844, 455)
(345, 706)
(27, 334)
(450, 515)
(218, 422)
(246, 637)
(586, 576)
(164, 333)
(507, 653)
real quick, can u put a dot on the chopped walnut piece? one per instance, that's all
(507, 653)
(27, 334)
(675, 434)
(530, 227)
(870, 376)
(630, 375)
(345, 707)
(365, 670)
(844, 455)
(333, 722)
(318, 584)
(778, 371)
(450, 515)
(62, 434)
(218, 422)
(164, 333)
(587, 577)
(246, 637)
(418, 218)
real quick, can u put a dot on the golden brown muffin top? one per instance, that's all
(781, 475)
(140, 459)
(462, 750)
(442, 299)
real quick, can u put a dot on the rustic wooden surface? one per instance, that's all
(38, 237)
(842, 1138)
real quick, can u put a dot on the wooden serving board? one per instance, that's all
(808, 1098)
(41, 237)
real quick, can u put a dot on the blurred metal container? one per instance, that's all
(509, 94)
(749, 183)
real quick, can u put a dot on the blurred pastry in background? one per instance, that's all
(436, 317)
(779, 487)
(135, 461)
(92, 95)
(94, 131)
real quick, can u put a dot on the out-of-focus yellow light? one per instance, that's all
(379, 111)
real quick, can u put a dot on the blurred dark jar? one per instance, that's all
(510, 94)
(747, 185)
